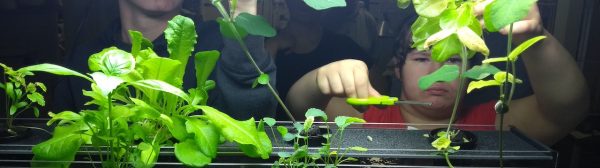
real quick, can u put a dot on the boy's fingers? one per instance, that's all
(350, 88)
(362, 83)
(373, 92)
(480, 7)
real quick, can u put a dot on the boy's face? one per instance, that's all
(441, 94)
(156, 7)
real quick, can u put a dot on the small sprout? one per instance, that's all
(369, 138)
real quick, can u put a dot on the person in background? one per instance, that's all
(558, 103)
(233, 74)
(305, 45)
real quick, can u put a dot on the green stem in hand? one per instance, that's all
(238, 38)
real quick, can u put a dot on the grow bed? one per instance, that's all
(388, 145)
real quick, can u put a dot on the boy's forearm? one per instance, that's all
(558, 84)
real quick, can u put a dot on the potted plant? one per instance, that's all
(448, 28)
(139, 108)
(22, 96)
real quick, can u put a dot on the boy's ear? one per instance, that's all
(397, 70)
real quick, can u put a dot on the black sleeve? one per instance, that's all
(234, 76)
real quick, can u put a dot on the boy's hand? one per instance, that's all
(345, 78)
(529, 27)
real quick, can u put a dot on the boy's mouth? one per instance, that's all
(436, 90)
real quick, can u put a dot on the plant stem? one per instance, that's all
(506, 100)
(461, 77)
(238, 38)
(447, 159)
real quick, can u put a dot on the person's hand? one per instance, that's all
(529, 27)
(345, 78)
(248, 6)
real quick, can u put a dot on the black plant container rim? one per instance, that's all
(21, 133)
(458, 139)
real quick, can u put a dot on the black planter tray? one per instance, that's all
(388, 146)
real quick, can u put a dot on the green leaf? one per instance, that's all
(344, 121)
(36, 97)
(226, 31)
(481, 83)
(112, 61)
(493, 60)
(284, 154)
(13, 109)
(421, 29)
(41, 86)
(446, 73)
(441, 143)
(181, 38)
(523, 46)
(143, 110)
(161, 68)
(255, 25)
(439, 36)
(10, 91)
(325, 4)
(308, 123)
(36, 112)
(61, 148)
(188, 153)
(176, 125)
(446, 49)
(65, 115)
(403, 4)
(206, 136)
(106, 84)
(265, 142)
(242, 132)
(53, 69)
(270, 121)
(502, 76)
(358, 148)
(282, 130)
(136, 41)
(316, 113)
(147, 156)
(430, 8)
(480, 72)
(120, 112)
(501, 13)
(263, 79)
(205, 62)
(161, 86)
(472, 40)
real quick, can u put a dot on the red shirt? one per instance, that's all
(481, 114)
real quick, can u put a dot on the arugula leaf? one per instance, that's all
(162, 69)
(53, 69)
(61, 148)
(188, 153)
(242, 132)
(205, 62)
(481, 71)
(146, 155)
(181, 38)
(316, 113)
(206, 136)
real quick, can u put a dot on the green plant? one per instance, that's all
(139, 108)
(301, 157)
(22, 95)
(450, 27)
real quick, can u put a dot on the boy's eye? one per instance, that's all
(453, 61)
(421, 59)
